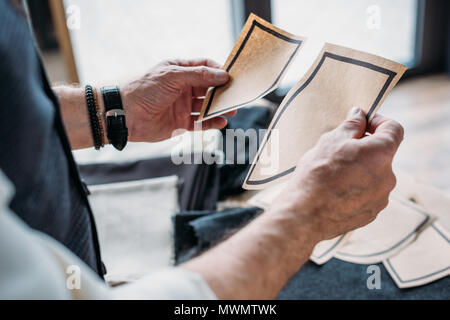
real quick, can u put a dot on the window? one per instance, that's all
(382, 27)
(117, 39)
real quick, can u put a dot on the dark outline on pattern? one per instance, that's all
(272, 32)
(391, 75)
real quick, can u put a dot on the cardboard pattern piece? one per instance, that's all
(259, 60)
(394, 228)
(340, 79)
(424, 261)
(326, 249)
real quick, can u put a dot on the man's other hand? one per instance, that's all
(162, 100)
(344, 181)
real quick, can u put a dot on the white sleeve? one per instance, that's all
(35, 266)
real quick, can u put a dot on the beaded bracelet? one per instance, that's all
(93, 117)
(99, 119)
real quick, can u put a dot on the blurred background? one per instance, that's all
(106, 42)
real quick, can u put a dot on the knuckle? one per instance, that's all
(202, 72)
(397, 128)
(351, 123)
(396, 131)
(383, 203)
(210, 62)
(389, 141)
(169, 62)
(372, 215)
(392, 182)
(172, 70)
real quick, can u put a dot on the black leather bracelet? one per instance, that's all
(92, 109)
(117, 131)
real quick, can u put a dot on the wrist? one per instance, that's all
(297, 222)
(128, 106)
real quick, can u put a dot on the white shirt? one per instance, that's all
(35, 266)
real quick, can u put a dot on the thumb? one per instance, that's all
(354, 126)
(200, 76)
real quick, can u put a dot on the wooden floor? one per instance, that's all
(422, 106)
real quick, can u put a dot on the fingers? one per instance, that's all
(199, 91)
(230, 114)
(380, 124)
(200, 76)
(214, 123)
(354, 126)
(194, 63)
(385, 132)
(197, 104)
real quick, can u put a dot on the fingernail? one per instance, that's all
(220, 75)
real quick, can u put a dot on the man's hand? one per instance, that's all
(341, 184)
(344, 181)
(162, 100)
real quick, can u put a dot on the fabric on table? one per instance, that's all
(199, 183)
(135, 226)
(232, 175)
(197, 231)
(334, 280)
(344, 280)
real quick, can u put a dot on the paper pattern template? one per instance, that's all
(432, 199)
(394, 228)
(265, 198)
(425, 260)
(259, 60)
(326, 249)
(340, 79)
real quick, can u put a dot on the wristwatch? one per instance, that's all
(116, 128)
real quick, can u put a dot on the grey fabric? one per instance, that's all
(343, 280)
(36, 155)
(195, 232)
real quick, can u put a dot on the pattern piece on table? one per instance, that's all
(326, 249)
(425, 260)
(394, 228)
